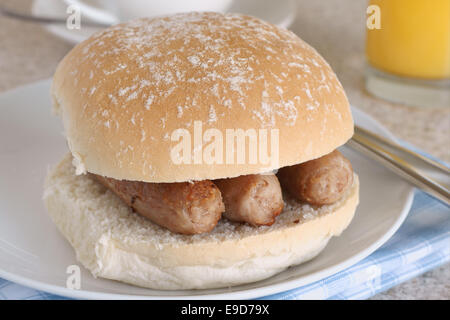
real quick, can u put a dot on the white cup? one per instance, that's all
(115, 11)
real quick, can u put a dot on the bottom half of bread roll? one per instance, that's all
(115, 243)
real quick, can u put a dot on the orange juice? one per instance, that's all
(414, 39)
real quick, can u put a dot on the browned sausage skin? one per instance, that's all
(191, 208)
(320, 181)
(255, 199)
(187, 208)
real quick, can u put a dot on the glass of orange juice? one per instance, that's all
(408, 51)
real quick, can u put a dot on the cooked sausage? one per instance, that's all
(255, 199)
(320, 181)
(187, 208)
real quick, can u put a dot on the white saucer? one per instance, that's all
(34, 254)
(280, 12)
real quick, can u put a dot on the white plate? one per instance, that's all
(280, 12)
(34, 254)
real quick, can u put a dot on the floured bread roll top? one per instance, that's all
(123, 93)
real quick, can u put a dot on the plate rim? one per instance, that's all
(252, 293)
(242, 294)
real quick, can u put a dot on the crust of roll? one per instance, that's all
(123, 92)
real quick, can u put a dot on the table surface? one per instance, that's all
(336, 28)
